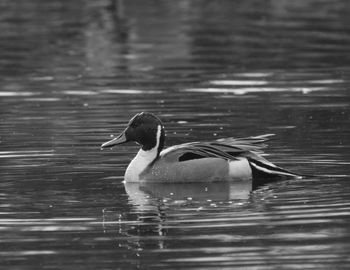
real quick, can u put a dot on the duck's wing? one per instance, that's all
(228, 148)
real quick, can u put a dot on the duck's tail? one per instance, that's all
(262, 168)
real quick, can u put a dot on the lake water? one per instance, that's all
(72, 73)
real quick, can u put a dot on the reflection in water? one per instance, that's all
(209, 69)
(140, 193)
(157, 209)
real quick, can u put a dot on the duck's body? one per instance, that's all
(221, 160)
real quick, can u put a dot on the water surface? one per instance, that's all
(73, 73)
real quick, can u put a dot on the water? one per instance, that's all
(73, 73)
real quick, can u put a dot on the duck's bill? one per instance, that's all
(118, 140)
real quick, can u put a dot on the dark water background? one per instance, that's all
(74, 72)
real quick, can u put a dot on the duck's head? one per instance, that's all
(145, 129)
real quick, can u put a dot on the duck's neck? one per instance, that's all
(144, 158)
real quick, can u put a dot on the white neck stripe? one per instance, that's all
(159, 132)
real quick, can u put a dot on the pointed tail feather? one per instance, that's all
(268, 169)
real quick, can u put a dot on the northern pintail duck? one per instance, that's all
(225, 159)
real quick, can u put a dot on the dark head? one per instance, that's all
(144, 128)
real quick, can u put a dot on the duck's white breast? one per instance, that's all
(139, 164)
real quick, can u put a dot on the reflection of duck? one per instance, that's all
(221, 160)
(142, 193)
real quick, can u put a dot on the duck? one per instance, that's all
(226, 159)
